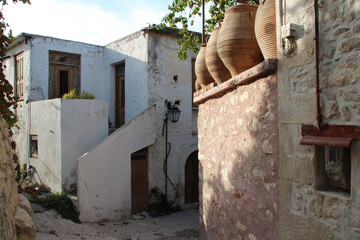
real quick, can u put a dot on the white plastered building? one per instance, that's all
(68, 141)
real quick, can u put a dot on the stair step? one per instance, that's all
(111, 130)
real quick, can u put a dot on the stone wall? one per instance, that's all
(238, 153)
(8, 190)
(306, 212)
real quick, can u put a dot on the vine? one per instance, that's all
(7, 100)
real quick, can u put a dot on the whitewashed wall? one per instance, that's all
(92, 75)
(66, 129)
(46, 124)
(133, 51)
(104, 173)
(84, 124)
(23, 109)
(163, 65)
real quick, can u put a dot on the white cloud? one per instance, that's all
(79, 22)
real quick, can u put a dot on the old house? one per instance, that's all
(279, 143)
(135, 80)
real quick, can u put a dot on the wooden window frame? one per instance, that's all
(19, 76)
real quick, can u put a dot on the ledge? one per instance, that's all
(326, 141)
(332, 131)
(261, 70)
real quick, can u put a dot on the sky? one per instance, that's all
(91, 21)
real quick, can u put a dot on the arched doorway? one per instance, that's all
(192, 178)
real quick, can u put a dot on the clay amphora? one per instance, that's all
(202, 74)
(265, 28)
(197, 85)
(214, 64)
(237, 46)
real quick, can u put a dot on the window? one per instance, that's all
(19, 75)
(33, 146)
(120, 95)
(333, 169)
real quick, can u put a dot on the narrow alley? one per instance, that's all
(177, 226)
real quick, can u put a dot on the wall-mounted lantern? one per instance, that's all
(172, 113)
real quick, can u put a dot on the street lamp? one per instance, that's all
(172, 113)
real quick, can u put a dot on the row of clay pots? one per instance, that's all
(233, 47)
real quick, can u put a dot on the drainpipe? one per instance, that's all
(203, 22)
(317, 85)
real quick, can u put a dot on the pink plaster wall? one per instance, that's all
(238, 153)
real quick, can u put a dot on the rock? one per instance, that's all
(37, 208)
(346, 113)
(137, 217)
(144, 214)
(25, 227)
(25, 204)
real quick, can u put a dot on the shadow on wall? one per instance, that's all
(238, 151)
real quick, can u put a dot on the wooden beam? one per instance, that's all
(343, 131)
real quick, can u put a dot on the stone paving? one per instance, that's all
(177, 226)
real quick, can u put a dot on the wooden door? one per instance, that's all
(192, 178)
(119, 95)
(139, 181)
(64, 73)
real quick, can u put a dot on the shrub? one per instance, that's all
(62, 204)
(73, 95)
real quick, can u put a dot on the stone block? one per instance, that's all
(25, 204)
(25, 227)
(293, 226)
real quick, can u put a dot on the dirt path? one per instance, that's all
(180, 225)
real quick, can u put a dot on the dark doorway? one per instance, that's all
(64, 82)
(139, 181)
(119, 95)
(192, 178)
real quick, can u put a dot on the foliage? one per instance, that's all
(73, 95)
(158, 206)
(62, 204)
(184, 12)
(7, 101)
(86, 95)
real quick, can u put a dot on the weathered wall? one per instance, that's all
(36, 79)
(307, 213)
(91, 76)
(23, 109)
(163, 65)
(238, 152)
(84, 124)
(46, 124)
(150, 66)
(104, 173)
(131, 50)
(66, 129)
(8, 190)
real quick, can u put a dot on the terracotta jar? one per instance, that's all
(214, 64)
(202, 74)
(197, 85)
(265, 28)
(236, 44)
